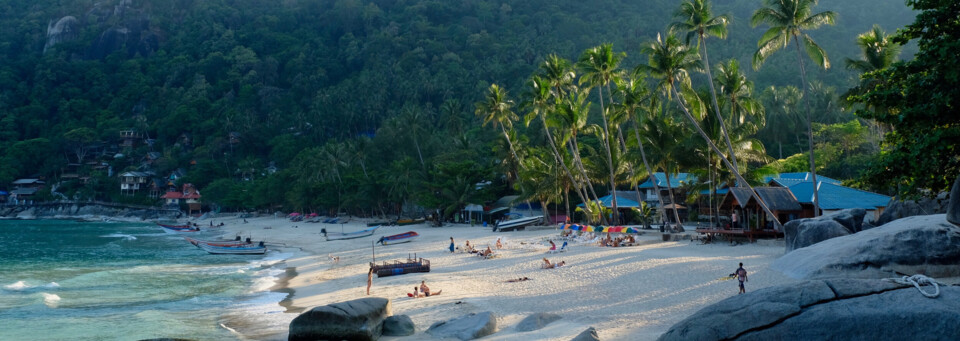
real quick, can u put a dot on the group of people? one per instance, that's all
(424, 291)
(617, 242)
(480, 253)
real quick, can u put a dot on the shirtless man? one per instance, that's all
(486, 253)
(426, 290)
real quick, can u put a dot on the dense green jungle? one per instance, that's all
(390, 107)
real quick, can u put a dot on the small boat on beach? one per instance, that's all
(379, 223)
(399, 238)
(171, 226)
(235, 242)
(348, 235)
(403, 222)
(258, 249)
(516, 223)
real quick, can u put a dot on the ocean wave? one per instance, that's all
(18, 286)
(271, 259)
(119, 235)
(51, 300)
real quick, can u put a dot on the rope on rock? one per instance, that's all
(917, 281)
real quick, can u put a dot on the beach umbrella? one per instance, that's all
(630, 230)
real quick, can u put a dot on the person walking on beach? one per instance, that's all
(741, 277)
(369, 280)
(451, 245)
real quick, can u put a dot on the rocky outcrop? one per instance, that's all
(467, 327)
(837, 309)
(587, 335)
(897, 209)
(360, 319)
(64, 30)
(536, 321)
(398, 325)
(953, 208)
(805, 232)
(923, 244)
(86, 210)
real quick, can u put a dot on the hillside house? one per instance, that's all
(129, 138)
(131, 182)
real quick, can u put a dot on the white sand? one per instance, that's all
(627, 293)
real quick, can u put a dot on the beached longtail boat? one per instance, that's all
(516, 223)
(411, 265)
(399, 238)
(170, 226)
(235, 242)
(349, 235)
(258, 249)
(403, 222)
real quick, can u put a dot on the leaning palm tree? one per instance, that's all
(670, 60)
(698, 21)
(498, 109)
(635, 93)
(600, 66)
(570, 117)
(540, 103)
(788, 19)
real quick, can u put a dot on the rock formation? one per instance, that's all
(360, 319)
(922, 244)
(805, 232)
(953, 208)
(398, 325)
(536, 321)
(64, 30)
(467, 327)
(587, 335)
(836, 309)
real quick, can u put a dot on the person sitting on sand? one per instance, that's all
(469, 248)
(426, 290)
(548, 265)
(616, 242)
(630, 239)
(518, 280)
(499, 244)
(416, 292)
(553, 247)
(486, 253)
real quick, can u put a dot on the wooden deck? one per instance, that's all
(750, 234)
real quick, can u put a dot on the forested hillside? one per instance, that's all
(358, 104)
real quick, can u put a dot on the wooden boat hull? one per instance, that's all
(399, 238)
(236, 250)
(218, 243)
(404, 222)
(350, 235)
(516, 224)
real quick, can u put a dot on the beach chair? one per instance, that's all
(562, 248)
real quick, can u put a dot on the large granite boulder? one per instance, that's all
(360, 319)
(834, 309)
(467, 327)
(897, 209)
(64, 30)
(805, 232)
(953, 208)
(587, 335)
(922, 244)
(536, 321)
(398, 325)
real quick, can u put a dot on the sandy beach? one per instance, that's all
(627, 293)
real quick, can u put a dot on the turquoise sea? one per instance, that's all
(65, 280)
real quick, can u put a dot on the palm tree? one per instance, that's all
(878, 52)
(669, 61)
(559, 75)
(635, 93)
(600, 66)
(412, 120)
(498, 109)
(788, 19)
(663, 136)
(780, 115)
(540, 103)
(570, 117)
(541, 182)
(698, 21)
(745, 111)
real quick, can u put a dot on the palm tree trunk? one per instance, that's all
(643, 155)
(606, 143)
(716, 150)
(510, 144)
(583, 171)
(673, 200)
(716, 106)
(417, 144)
(806, 102)
(556, 154)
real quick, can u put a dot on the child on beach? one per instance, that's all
(741, 277)
(369, 280)
(451, 245)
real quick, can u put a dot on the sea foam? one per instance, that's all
(120, 235)
(51, 300)
(19, 285)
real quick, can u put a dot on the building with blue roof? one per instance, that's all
(650, 195)
(833, 196)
